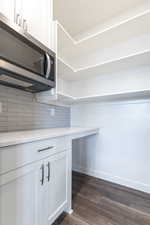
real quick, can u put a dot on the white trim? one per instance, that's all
(69, 212)
(66, 32)
(114, 60)
(66, 64)
(57, 213)
(115, 179)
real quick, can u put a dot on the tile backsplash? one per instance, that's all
(20, 111)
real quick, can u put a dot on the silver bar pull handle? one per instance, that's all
(25, 26)
(48, 66)
(48, 169)
(45, 149)
(42, 179)
(18, 19)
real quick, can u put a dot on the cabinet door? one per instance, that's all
(18, 12)
(36, 15)
(57, 185)
(20, 196)
(7, 8)
(42, 198)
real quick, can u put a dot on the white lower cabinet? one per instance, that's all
(57, 185)
(35, 194)
(19, 196)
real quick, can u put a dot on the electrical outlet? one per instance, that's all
(52, 112)
(0, 107)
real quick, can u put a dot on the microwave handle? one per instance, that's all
(48, 70)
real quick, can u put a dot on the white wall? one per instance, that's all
(121, 151)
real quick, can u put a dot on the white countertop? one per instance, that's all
(20, 137)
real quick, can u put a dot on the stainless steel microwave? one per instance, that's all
(25, 63)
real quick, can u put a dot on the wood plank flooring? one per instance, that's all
(98, 202)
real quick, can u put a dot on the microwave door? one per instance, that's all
(39, 65)
(14, 76)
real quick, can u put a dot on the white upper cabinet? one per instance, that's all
(37, 19)
(34, 16)
(7, 8)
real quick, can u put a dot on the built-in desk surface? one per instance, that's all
(20, 137)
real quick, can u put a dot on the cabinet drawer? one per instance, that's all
(16, 156)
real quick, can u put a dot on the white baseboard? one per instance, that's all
(70, 211)
(115, 179)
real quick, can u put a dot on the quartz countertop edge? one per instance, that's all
(21, 137)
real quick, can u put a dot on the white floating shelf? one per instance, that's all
(70, 49)
(130, 61)
(126, 95)
(64, 99)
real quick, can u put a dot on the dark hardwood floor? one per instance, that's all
(97, 202)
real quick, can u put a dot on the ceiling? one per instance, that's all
(78, 16)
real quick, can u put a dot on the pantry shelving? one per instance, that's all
(68, 100)
(71, 50)
(96, 54)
